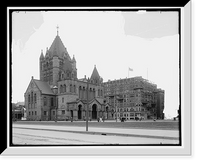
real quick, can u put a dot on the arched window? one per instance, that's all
(35, 100)
(52, 104)
(83, 93)
(64, 88)
(80, 92)
(45, 101)
(29, 99)
(98, 92)
(70, 88)
(61, 88)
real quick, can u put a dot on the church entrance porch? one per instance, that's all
(94, 111)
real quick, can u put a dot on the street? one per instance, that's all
(59, 135)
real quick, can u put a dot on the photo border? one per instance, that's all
(185, 119)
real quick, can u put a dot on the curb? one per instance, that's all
(104, 133)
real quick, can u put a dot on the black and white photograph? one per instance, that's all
(96, 77)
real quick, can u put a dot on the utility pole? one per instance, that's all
(87, 104)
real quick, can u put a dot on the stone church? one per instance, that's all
(59, 94)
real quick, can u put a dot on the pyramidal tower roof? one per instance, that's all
(95, 74)
(57, 48)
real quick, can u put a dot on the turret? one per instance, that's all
(47, 53)
(42, 55)
(41, 64)
(95, 78)
(73, 59)
(74, 63)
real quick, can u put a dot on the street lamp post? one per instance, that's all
(116, 109)
(87, 110)
(116, 113)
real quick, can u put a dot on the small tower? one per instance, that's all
(95, 78)
(41, 63)
(47, 54)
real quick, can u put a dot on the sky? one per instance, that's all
(147, 42)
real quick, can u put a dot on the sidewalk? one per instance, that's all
(162, 134)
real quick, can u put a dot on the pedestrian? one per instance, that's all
(100, 119)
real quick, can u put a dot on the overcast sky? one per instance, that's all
(113, 41)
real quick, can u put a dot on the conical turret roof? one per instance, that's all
(42, 55)
(73, 59)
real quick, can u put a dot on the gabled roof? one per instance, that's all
(84, 101)
(57, 48)
(20, 103)
(43, 87)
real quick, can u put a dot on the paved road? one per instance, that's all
(145, 124)
(59, 135)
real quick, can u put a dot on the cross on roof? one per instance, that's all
(57, 29)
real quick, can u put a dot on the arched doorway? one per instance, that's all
(94, 111)
(79, 112)
(71, 111)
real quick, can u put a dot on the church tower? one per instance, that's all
(57, 65)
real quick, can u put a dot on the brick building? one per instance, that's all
(59, 94)
(134, 97)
